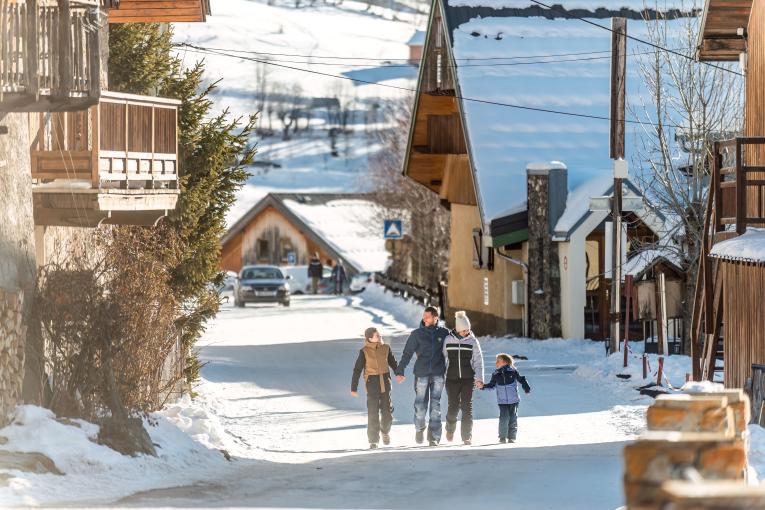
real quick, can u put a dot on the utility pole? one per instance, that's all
(618, 100)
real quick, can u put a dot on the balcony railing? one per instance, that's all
(738, 184)
(123, 142)
(153, 11)
(49, 54)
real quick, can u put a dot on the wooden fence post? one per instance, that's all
(645, 366)
(660, 371)
(628, 294)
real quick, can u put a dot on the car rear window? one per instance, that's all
(262, 273)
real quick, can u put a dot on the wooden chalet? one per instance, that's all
(50, 55)
(527, 256)
(157, 11)
(288, 228)
(729, 324)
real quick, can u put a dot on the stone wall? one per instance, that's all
(17, 264)
(544, 270)
(12, 345)
(695, 446)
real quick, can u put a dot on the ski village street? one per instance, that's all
(382, 254)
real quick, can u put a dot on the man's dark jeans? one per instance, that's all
(508, 421)
(460, 394)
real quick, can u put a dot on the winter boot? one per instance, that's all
(373, 446)
(511, 440)
(419, 437)
(502, 440)
(449, 436)
(432, 443)
(467, 442)
(386, 439)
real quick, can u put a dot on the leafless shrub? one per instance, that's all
(109, 328)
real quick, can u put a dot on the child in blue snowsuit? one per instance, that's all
(505, 379)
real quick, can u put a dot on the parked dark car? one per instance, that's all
(262, 284)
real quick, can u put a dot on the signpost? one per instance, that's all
(291, 258)
(393, 229)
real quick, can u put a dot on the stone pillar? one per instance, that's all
(547, 193)
(17, 258)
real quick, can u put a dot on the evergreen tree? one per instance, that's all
(214, 153)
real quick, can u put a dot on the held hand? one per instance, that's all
(479, 384)
(355, 393)
(400, 379)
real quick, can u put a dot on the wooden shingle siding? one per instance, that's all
(743, 305)
(158, 11)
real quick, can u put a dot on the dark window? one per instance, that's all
(263, 249)
(477, 248)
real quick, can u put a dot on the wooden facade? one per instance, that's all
(114, 162)
(49, 55)
(728, 321)
(159, 11)
(437, 156)
(744, 328)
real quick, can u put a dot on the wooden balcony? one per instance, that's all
(116, 162)
(49, 55)
(738, 186)
(158, 11)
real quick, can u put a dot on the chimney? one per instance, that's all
(547, 190)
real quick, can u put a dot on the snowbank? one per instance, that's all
(93, 472)
(393, 309)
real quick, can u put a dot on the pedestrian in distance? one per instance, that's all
(339, 276)
(464, 370)
(374, 360)
(315, 272)
(505, 380)
(427, 343)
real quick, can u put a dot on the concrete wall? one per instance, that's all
(573, 275)
(17, 252)
(466, 284)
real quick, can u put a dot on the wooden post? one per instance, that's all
(65, 47)
(618, 86)
(740, 191)
(645, 366)
(660, 371)
(616, 149)
(628, 289)
(32, 52)
(662, 313)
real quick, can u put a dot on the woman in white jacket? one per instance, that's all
(464, 368)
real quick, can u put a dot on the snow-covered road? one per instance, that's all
(278, 380)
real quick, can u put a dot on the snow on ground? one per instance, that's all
(275, 394)
(95, 474)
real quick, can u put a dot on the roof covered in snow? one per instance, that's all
(645, 259)
(749, 247)
(535, 62)
(417, 39)
(347, 225)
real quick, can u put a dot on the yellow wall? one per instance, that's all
(466, 284)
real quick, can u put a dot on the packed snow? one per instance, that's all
(275, 395)
(748, 247)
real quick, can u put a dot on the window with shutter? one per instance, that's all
(477, 248)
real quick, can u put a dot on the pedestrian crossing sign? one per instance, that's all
(393, 229)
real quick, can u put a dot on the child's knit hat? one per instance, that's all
(461, 321)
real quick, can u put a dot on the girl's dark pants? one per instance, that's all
(379, 409)
(460, 393)
(508, 421)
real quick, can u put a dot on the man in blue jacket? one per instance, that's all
(427, 343)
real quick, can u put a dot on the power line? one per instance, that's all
(636, 39)
(408, 89)
(377, 59)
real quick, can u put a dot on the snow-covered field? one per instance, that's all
(296, 43)
(275, 395)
